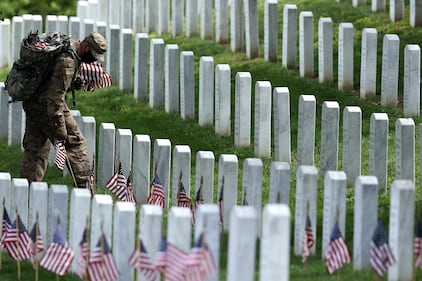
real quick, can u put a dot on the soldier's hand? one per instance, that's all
(61, 133)
(78, 83)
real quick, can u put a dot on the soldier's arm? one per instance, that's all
(60, 81)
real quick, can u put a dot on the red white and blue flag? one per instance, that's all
(418, 245)
(17, 241)
(308, 240)
(337, 254)
(117, 183)
(59, 256)
(60, 158)
(160, 257)
(140, 260)
(102, 266)
(84, 252)
(156, 193)
(6, 225)
(94, 76)
(175, 263)
(381, 257)
(200, 263)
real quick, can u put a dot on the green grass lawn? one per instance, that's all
(110, 105)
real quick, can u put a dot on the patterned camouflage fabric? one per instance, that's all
(49, 118)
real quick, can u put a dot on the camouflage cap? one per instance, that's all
(97, 44)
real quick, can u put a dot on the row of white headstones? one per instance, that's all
(404, 129)
(246, 225)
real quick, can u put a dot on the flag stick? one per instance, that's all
(414, 268)
(36, 247)
(102, 252)
(1, 252)
(137, 248)
(94, 180)
(17, 244)
(71, 171)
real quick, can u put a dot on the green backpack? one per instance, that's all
(32, 69)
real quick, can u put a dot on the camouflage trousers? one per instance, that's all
(37, 142)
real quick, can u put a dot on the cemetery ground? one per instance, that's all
(110, 105)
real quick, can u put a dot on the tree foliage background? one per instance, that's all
(8, 9)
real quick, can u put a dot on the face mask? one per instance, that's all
(87, 57)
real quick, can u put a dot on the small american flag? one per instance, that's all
(59, 256)
(84, 252)
(102, 266)
(117, 183)
(337, 254)
(200, 262)
(129, 195)
(6, 225)
(418, 245)
(90, 184)
(37, 241)
(156, 193)
(381, 257)
(17, 241)
(199, 199)
(175, 263)
(221, 204)
(94, 76)
(183, 200)
(140, 260)
(160, 257)
(308, 240)
(60, 159)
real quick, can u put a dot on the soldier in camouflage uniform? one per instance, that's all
(49, 118)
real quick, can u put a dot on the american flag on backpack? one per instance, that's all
(94, 76)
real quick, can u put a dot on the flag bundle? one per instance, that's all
(156, 193)
(60, 158)
(418, 245)
(308, 240)
(337, 254)
(140, 260)
(84, 252)
(200, 262)
(381, 256)
(94, 76)
(59, 256)
(102, 266)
